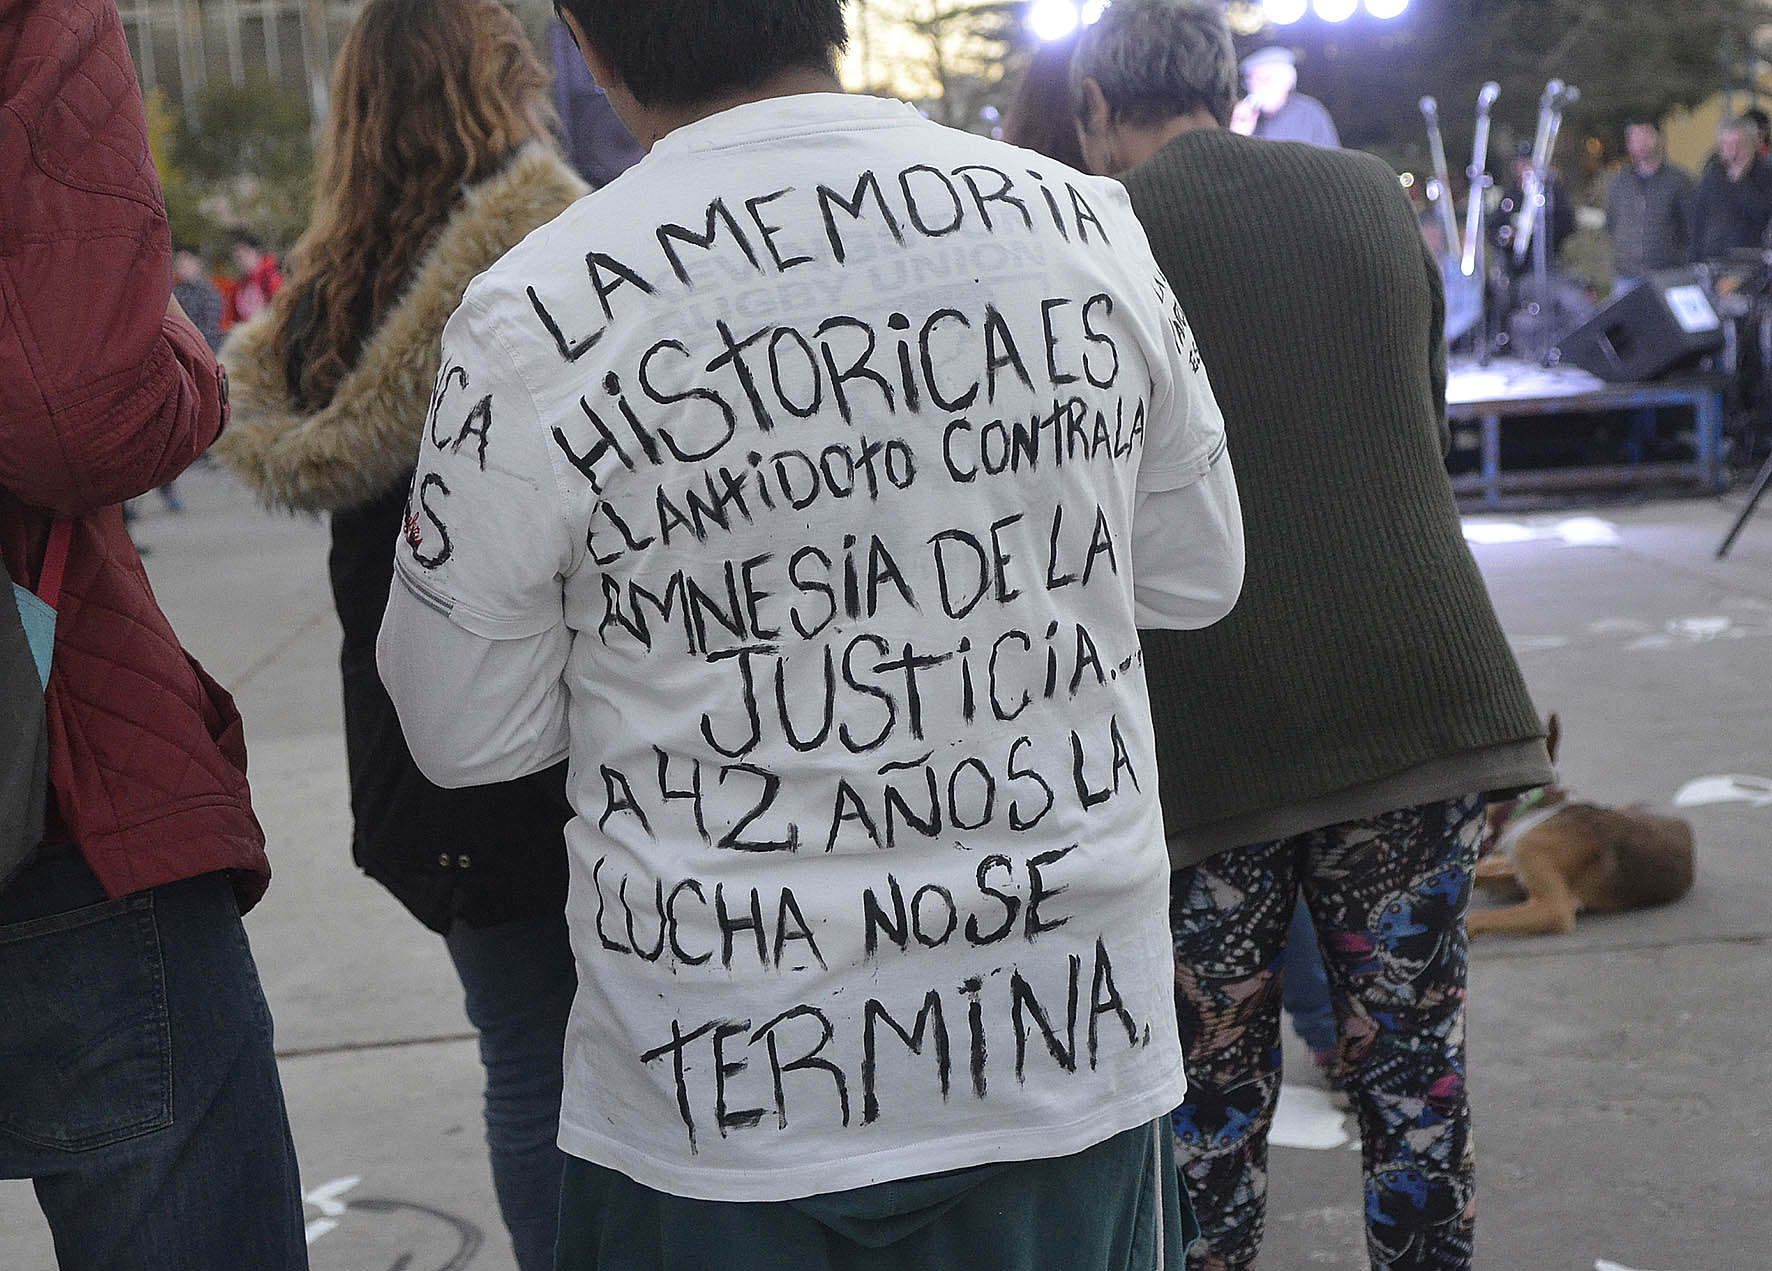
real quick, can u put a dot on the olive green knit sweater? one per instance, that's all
(1363, 669)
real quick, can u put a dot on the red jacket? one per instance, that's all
(253, 293)
(103, 397)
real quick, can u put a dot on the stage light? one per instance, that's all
(1335, 10)
(1052, 20)
(1285, 12)
(1092, 11)
(1386, 8)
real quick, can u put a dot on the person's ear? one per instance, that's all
(633, 116)
(1096, 112)
(595, 62)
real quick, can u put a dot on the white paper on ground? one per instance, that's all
(1726, 788)
(1308, 1118)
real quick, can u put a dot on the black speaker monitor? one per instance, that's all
(1665, 322)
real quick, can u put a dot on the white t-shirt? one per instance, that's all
(788, 483)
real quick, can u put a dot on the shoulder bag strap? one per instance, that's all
(55, 560)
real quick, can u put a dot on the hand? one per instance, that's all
(1244, 116)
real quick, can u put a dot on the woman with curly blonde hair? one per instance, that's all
(436, 160)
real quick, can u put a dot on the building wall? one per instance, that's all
(181, 46)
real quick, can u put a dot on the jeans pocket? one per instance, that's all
(85, 1044)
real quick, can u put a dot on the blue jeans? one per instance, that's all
(518, 981)
(138, 1088)
(1305, 988)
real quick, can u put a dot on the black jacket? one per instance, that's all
(1731, 214)
(486, 854)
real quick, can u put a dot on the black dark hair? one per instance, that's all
(1761, 119)
(681, 52)
(249, 239)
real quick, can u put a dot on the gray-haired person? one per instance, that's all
(1734, 202)
(1334, 735)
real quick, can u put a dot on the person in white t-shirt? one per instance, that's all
(806, 487)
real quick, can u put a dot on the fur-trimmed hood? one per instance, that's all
(366, 440)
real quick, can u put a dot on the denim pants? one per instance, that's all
(1305, 984)
(518, 980)
(138, 1088)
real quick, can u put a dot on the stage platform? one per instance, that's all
(1508, 389)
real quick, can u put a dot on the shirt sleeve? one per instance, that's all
(1187, 551)
(1187, 523)
(474, 643)
(1184, 435)
(474, 711)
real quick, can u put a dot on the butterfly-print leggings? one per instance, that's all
(1388, 895)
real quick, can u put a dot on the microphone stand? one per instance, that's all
(1475, 264)
(1541, 273)
(1540, 204)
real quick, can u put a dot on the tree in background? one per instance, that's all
(248, 153)
(954, 58)
(184, 210)
(1629, 58)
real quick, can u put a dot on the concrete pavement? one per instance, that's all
(1620, 1074)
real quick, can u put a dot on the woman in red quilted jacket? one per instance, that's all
(138, 1087)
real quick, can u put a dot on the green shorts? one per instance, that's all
(1117, 1206)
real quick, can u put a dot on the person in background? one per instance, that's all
(1274, 108)
(202, 303)
(1651, 215)
(761, 1075)
(197, 295)
(1509, 221)
(1307, 1000)
(1039, 117)
(138, 1081)
(1335, 735)
(228, 286)
(1650, 209)
(598, 145)
(436, 159)
(1734, 201)
(260, 277)
(1762, 122)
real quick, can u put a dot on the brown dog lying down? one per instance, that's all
(1568, 857)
